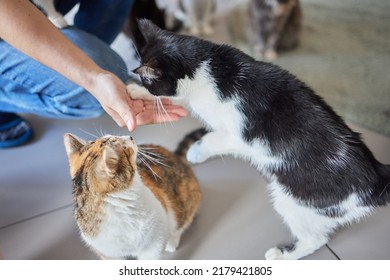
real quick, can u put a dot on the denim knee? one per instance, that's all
(98, 51)
(75, 104)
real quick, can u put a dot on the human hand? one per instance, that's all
(158, 111)
(111, 92)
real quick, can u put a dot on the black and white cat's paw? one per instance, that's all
(281, 253)
(274, 254)
(196, 153)
(137, 91)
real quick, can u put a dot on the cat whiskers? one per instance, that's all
(152, 157)
(136, 50)
(159, 110)
(147, 157)
(89, 133)
(384, 189)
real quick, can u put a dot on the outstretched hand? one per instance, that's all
(112, 94)
(159, 111)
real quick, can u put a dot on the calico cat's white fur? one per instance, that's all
(321, 174)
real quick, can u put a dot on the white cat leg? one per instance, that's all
(298, 250)
(138, 92)
(174, 241)
(213, 144)
(310, 229)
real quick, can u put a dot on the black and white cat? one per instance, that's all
(322, 176)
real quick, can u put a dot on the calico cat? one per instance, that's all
(131, 201)
(275, 25)
(47, 7)
(322, 176)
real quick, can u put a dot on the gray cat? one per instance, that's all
(275, 25)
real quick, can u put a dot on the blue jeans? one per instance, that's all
(26, 86)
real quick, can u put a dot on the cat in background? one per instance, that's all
(159, 12)
(197, 15)
(275, 25)
(322, 176)
(131, 201)
(47, 7)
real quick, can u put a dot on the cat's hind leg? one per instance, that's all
(310, 229)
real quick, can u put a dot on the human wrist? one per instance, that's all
(96, 80)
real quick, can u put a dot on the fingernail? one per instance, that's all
(130, 125)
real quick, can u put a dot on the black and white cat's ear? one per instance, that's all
(73, 144)
(148, 29)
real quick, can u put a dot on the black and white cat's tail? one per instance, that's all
(188, 140)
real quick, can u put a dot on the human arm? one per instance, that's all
(27, 29)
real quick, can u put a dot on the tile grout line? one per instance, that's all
(333, 252)
(36, 216)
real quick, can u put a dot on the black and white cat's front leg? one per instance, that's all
(216, 143)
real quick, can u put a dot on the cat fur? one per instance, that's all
(127, 205)
(322, 176)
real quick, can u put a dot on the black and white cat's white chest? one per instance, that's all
(201, 95)
(222, 114)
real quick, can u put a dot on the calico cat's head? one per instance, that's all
(107, 164)
(166, 58)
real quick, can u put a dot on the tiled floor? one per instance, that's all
(236, 220)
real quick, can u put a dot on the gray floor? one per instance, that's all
(236, 220)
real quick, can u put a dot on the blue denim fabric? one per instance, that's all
(26, 86)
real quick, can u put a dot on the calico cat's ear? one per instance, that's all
(73, 144)
(148, 29)
(108, 163)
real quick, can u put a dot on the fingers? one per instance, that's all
(174, 109)
(124, 115)
(155, 114)
(147, 118)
